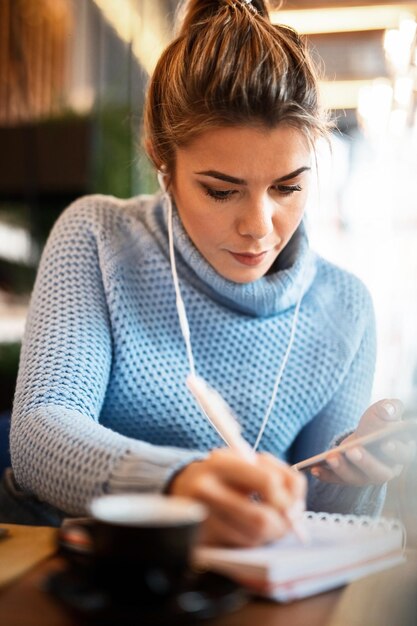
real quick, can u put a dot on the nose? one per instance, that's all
(256, 220)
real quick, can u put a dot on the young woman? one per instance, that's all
(288, 339)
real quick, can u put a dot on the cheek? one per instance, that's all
(186, 201)
(288, 220)
(201, 224)
(299, 206)
(208, 229)
(205, 218)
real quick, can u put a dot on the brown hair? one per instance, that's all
(229, 66)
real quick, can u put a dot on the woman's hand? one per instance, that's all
(249, 504)
(358, 466)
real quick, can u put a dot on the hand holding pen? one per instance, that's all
(228, 478)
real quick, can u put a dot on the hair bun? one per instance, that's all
(193, 12)
(229, 66)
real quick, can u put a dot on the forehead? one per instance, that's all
(246, 151)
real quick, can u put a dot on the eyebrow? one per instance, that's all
(241, 181)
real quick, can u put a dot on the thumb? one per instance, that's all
(376, 415)
(388, 410)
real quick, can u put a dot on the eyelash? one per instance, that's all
(223, 196)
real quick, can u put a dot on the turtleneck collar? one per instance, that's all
(269, 295)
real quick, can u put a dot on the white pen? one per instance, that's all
(220, 416)
(223, 420)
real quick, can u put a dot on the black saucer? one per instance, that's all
(204, 596)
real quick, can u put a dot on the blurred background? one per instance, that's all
(72, 79)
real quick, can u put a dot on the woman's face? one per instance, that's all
(241, 193)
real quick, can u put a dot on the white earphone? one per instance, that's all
(162, 176)
(209, 400)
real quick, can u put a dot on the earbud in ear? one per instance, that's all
(162, 175)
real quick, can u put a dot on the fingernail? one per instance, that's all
(354, 454)
(315, 471)
(390, 409)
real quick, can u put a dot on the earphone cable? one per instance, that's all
(182, 316)
(282, 366)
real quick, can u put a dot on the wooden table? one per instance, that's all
(385, 599)
(24, 603)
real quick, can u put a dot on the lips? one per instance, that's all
(248, 258)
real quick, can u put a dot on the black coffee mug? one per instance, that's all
(141, 545)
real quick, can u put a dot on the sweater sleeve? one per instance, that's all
(60, 452)
(337, 419)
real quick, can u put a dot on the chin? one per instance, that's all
(242, 276)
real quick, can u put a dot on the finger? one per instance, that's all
(325, 474)
(293, 480)
(265, 524)
(399, 452)
(345, 471)
(295, 483)
(254, 519)
(253, 478)
(389, 409)
(374, 470)
(378, 414)
(221, 529)
(216, 531)
(364, 473)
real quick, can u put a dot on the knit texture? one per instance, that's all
(101, 403)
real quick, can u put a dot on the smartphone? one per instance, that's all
(404, 430)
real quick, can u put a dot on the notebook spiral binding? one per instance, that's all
(373, 523)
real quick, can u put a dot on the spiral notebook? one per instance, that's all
(341, 548)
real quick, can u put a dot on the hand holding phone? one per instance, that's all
(404, 430)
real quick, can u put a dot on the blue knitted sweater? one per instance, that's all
(101, 404)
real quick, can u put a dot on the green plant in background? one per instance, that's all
(113, 162)
(119, 164)
(147, 181)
